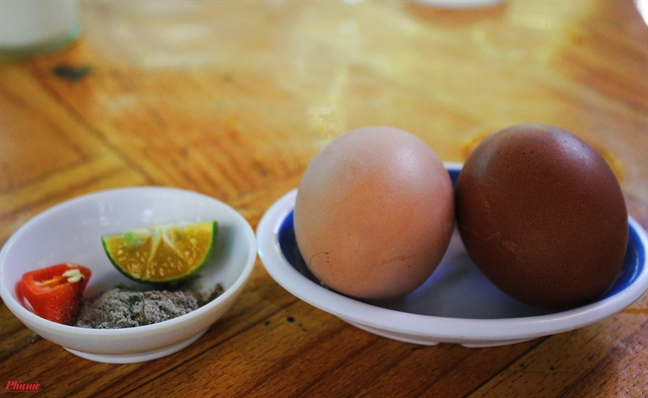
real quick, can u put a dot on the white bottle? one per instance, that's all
(37, 26)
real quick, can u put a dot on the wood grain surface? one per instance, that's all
(233, 99)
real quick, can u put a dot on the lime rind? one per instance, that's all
(138, 236)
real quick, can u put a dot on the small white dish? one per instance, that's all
(71, 232)
(458, 304)
(459, 4)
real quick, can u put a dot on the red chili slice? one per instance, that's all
(55, 292)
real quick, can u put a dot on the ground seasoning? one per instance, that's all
(120, 308)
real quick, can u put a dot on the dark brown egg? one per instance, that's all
(542, 215)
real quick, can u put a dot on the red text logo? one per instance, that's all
(16, 386)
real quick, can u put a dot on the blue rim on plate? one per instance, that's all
(456, 305)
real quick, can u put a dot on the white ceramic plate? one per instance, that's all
(458, 304)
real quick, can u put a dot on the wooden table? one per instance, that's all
(233, 99)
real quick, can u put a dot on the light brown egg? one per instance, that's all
(374, 213)
(542, 215)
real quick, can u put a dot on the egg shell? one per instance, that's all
(374, 213)
(542, 215)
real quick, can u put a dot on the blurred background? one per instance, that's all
(169, 84)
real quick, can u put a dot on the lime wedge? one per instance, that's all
(162, 253)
